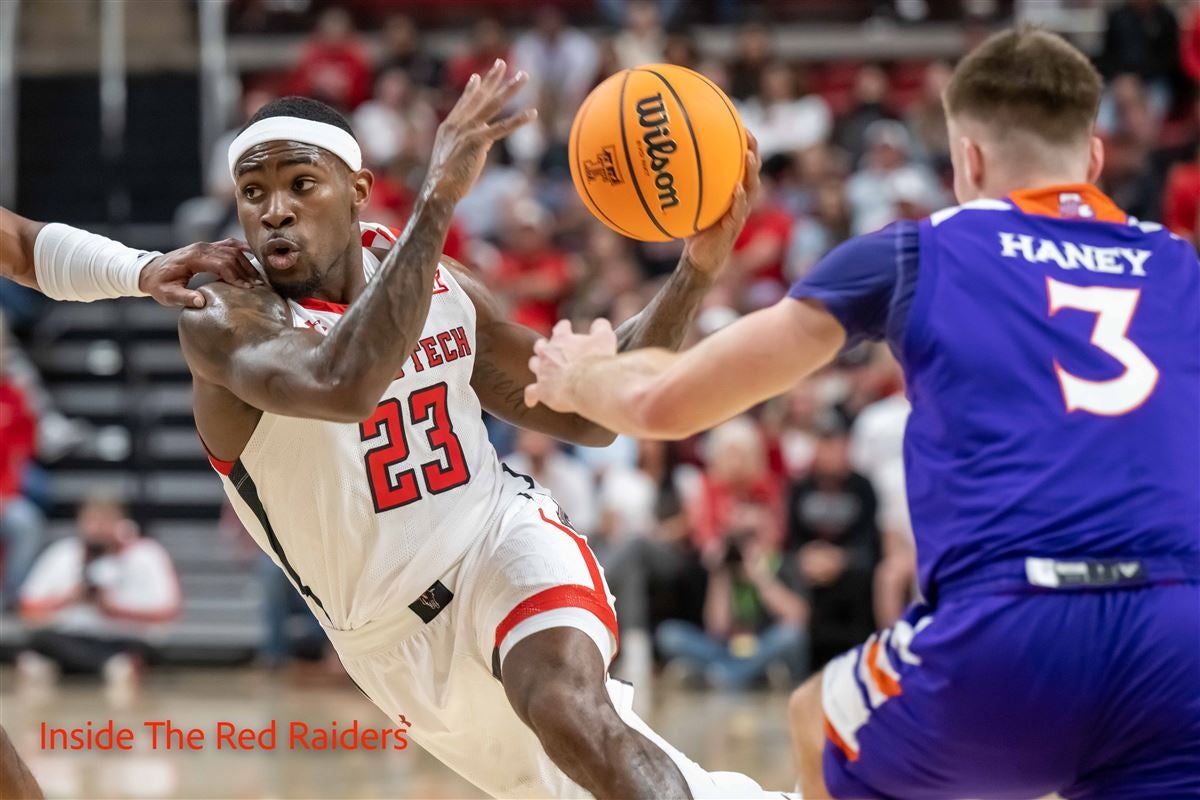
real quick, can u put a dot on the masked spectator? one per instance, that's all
(754, 619)
(93, 600)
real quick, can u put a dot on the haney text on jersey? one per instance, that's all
(1074, 255)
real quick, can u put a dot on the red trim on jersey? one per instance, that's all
(584, 550)
(315, 304)
(567, 595)
(439, 285)
(1047, 201)
(220, 465)
(389, 235)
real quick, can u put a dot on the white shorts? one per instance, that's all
(529, 573)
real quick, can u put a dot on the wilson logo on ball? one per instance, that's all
(656, 152)
(652, 114)
(604, 167)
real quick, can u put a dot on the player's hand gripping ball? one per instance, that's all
(656, 152)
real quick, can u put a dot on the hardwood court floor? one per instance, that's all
(723, 732)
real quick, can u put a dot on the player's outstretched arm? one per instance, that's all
(657, 394)
(66, 263)
(244, 340)
(17, 236)
(504, 348)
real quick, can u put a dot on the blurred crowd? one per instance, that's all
(756, 552)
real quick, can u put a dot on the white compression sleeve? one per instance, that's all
(72, 264)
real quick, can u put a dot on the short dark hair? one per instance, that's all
(1028, 79)
(303, 108)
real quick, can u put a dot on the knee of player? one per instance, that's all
(568, 714)
(804, 707)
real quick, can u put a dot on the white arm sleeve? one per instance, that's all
(72, 264)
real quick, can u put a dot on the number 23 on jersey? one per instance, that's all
(391, 488)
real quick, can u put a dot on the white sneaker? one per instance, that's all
(122, 675)
(36, 670)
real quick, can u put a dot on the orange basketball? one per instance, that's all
(657, 151)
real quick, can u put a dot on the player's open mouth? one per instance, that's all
(281, 253)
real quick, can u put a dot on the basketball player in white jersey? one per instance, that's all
(342, 406)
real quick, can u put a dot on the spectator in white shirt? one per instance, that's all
(568, 479)
(888, 179)
(781, 121)
(877, 451)
(396, 122)
(642, 40)
(93, 600)
(561, 63)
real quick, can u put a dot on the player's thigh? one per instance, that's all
(1146, 738)
(538, 574)
(960, 702)
(456, 709)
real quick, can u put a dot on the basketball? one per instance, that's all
(656, 152)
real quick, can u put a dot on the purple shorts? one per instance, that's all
(1088, 694)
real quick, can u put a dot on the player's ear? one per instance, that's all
(974, 161)
(361, 181)
(1095, 160)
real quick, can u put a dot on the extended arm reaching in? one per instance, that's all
(77, 265)
(657, 394)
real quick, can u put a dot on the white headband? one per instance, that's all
(295, 129)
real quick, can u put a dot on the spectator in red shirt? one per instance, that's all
(22, 527)
(1189, 44)
(334, 67)
(753, 613)
(533, 274)
(738, 495)
(762, 247)
(1181, 203)
(488, 43)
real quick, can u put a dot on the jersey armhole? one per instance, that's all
(924, 283)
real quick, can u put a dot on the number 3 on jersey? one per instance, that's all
(1114, 310)
(393, 489)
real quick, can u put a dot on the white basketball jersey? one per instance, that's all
(364, 517)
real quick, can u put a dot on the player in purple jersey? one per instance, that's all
(1051, 347)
